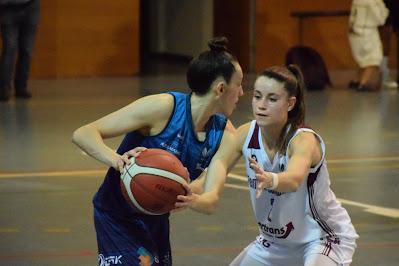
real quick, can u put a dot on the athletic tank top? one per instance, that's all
(178, 137)
(310, 213)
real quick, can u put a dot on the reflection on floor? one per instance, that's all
(46, 184)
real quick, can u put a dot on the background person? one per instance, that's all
(18, 22)
(365, 42)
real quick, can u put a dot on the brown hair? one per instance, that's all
(292, 78)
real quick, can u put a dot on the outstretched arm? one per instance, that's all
(223, 161)
(140, 115)
(304, 152)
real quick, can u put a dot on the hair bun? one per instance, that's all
(218, 44)
(294, 69)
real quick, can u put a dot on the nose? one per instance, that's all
(241, 92)
(262, 105)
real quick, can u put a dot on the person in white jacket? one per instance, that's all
(365, 18)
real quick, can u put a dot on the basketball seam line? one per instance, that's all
(162, 173)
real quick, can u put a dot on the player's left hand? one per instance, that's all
(185, 201)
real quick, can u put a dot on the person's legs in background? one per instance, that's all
(9, 35)
(27, 33)
(386, 32)
(370, 79)
(367, 51)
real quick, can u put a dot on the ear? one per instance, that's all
(291, 103)
(220, 88)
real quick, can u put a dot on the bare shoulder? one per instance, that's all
(305, 138)
(157, 102)
(242, 132)
(306, 144)
(157, 106)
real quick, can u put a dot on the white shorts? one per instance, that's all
(366, 48)
(269, 253)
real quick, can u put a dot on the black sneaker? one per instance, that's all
(23, 94)
(353, 84)
(364, 88)
(4, 96)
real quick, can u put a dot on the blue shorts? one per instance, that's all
(139, 241)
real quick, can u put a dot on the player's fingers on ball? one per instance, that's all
(180, 205)
(187, 188)
(120, 165)
(136, 151)
(182, 198)
(125, 158)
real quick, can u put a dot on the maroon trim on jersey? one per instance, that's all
(304, 126)
(327, 249)
(313, 176)
(311, 180)
(254, 142)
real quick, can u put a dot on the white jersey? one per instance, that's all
(310, 213)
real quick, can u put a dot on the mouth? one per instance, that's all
(262, 115)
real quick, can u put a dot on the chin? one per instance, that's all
(228, 112)
(262, 122)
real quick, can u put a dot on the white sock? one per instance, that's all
(384, 68)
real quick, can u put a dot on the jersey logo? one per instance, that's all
(110, 260)
(282, 232)
(145, 257)
(253, 156)
(203, 160)
(205, 152)
(174, 146)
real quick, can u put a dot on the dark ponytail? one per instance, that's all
(210, 65)
(292, 78)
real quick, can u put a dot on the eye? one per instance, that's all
(272, 99)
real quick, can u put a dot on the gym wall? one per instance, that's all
(87, 38)
(277, 31)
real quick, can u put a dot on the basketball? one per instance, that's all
(153, 180)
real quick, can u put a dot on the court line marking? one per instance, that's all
(9, 230)
(57, 230)
(96, 172)
(364, 160)
(377, 210)
(101, 173)
(352, 160)
(89, 173)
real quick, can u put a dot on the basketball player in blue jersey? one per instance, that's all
(192, 126)
(300, 221)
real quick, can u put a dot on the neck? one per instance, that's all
(201, 110)
(272, 134)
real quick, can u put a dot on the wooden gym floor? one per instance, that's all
(46, 183)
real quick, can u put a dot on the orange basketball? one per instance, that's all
(153, 180)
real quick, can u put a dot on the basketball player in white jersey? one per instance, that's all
(299, 218)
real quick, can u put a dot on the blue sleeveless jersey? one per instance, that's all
(179, 138)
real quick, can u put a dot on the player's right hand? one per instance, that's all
(124, 159)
